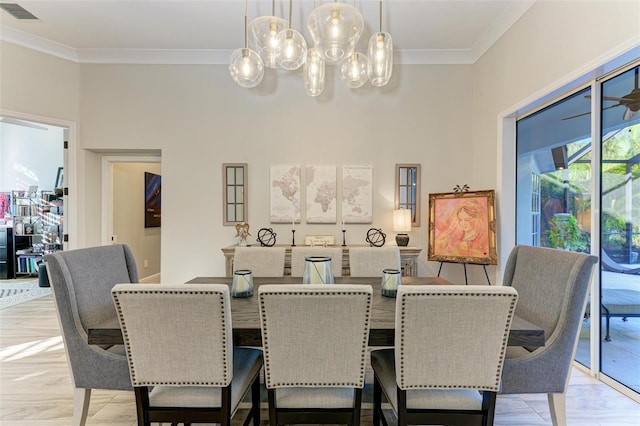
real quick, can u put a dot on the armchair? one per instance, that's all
(81, 281)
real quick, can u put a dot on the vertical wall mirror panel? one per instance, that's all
(408, 190)
(235, 203)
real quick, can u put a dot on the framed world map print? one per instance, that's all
(284, 194)
(321, 190)
(357, 194)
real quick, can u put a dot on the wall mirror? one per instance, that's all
(234, 188)
(408, 190)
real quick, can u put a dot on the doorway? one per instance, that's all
(33, 192)
(123, 210)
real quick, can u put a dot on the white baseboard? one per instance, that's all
(151, 279)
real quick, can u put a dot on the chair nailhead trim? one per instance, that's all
(265, 342)
(503, 347)
(127, 343)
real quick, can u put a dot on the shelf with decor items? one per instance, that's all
(52, 220)
(6, 252)
(27, 240)
(408, 259)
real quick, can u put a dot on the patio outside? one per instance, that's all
(620, 356)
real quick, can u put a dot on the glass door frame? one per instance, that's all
(507, 187)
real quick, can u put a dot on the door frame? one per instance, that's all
(70, 172)
(107, 163)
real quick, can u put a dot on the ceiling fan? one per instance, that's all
(630, 101)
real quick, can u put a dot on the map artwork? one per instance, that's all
(357, 194)
(285, 194)
(321, 194)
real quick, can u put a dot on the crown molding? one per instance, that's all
(221, 56)
(39, 44)
(507, 18)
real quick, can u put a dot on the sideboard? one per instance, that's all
(408, 259)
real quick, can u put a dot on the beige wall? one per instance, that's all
(36, 83)
(199, 119)
(444, 117)
(553, 41)
(128, 215)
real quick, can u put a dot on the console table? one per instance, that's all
(408, 259)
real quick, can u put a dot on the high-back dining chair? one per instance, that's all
(298, 254)
(179, 344)
(553, 286)
(370, 261)
(81, 281)
(449, 351)
(262, 261)
(314, 340)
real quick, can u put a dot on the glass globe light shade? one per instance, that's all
(380, 59)
(335, 29)
(292, 49)
(246, 67)
(314, 73)
(263, 32)
(353, 70)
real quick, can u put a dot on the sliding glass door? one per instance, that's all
(620, 229)
(554, 175)
(556, 169)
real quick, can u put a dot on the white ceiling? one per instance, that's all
(186, 31)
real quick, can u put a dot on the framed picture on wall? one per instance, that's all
(462, 227)
(152, 200)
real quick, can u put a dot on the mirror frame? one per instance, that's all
(414, 203)
(226, 184)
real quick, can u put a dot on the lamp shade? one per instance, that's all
(402, 225)
(402, 220)
(263, 32)
(353, 70)
(380, 59)
(246, 67)
(314, 73)
(292, 49)
(335, 28)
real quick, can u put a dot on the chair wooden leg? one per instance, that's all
(272, 407)
(255, 400)
(558, 408)
(402, 407)
(357, 404)
(377, 400)
(489, 407)
(81, 399)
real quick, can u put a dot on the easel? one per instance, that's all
(466, 282)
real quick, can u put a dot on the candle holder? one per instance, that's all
(344, 242)
(293, 238)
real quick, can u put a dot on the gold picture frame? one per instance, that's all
(462, 227)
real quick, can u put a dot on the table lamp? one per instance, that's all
(402, 225)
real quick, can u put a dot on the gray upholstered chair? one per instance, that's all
(449, 351)
(298, 254)
(179, 345)
(370, 261)
(81, 281)
(553, 286)
(314, 340)
(262, 261)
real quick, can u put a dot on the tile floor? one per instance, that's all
(35, 387)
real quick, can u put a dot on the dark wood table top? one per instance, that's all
(246, 318)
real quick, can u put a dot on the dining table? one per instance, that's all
(245, 315)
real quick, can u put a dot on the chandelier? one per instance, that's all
(335, 28)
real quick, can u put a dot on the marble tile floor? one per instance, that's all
(35, 387)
